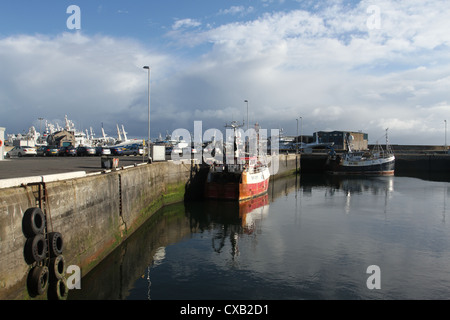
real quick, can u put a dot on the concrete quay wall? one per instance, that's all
(430, 163)
(287, 164)
(94, 213)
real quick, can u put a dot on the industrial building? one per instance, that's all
(61, 139)
(360, 140)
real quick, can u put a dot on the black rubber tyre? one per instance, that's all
(56, 244)
(57, 268)
(35, 249)
(33, 222)
(58, 290)
(37, 281)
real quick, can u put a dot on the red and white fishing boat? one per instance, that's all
(241, 179)
(237, 182)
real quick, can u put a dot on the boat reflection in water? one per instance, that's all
(228, 219)
(252, 211)
(370, 185)
(354, 184)
(348, 183)
(334, 186)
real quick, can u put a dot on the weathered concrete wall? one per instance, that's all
(287, 164)
(13, 268)
(417, 149)
(86, 212)
(435, 163)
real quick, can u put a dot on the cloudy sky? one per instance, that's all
(337, 64)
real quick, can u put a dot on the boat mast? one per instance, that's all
(388, 147)
(258, 146)
(234, 125)
(119, 136)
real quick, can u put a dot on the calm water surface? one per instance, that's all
(311, 237)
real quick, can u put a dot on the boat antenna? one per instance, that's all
(388, 147)
(387, 138)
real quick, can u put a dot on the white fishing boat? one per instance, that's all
(376, 162)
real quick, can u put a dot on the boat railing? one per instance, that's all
(235, 168)
(227, 168)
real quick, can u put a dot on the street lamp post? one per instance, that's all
(297, 161)
(301, 132)
(445, 135)
(148, 142)
(296, 151)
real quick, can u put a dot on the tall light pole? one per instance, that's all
(246, 101)
(296, 151)
(301, 132)
(445, 135)
(148, 142)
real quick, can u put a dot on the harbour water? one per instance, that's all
(312, 237)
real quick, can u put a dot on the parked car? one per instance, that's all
(117, 151)
(41, 151)
(68, 151)
(196, 148)
(133, 150)
(174, 150)
(22, 152)
(103, 151)
(84, 151)
(47, 151)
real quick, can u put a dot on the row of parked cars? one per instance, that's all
(48, 151)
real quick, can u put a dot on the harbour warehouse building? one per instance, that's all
(360, 139)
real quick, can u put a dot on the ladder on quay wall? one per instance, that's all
(39, 191)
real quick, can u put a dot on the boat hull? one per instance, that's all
(385, 166)
(233, 186)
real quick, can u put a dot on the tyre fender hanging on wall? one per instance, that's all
(57, 268)
(35, 249)
(33, 222)
(37, 281)
(58, 290)
(56, 244)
